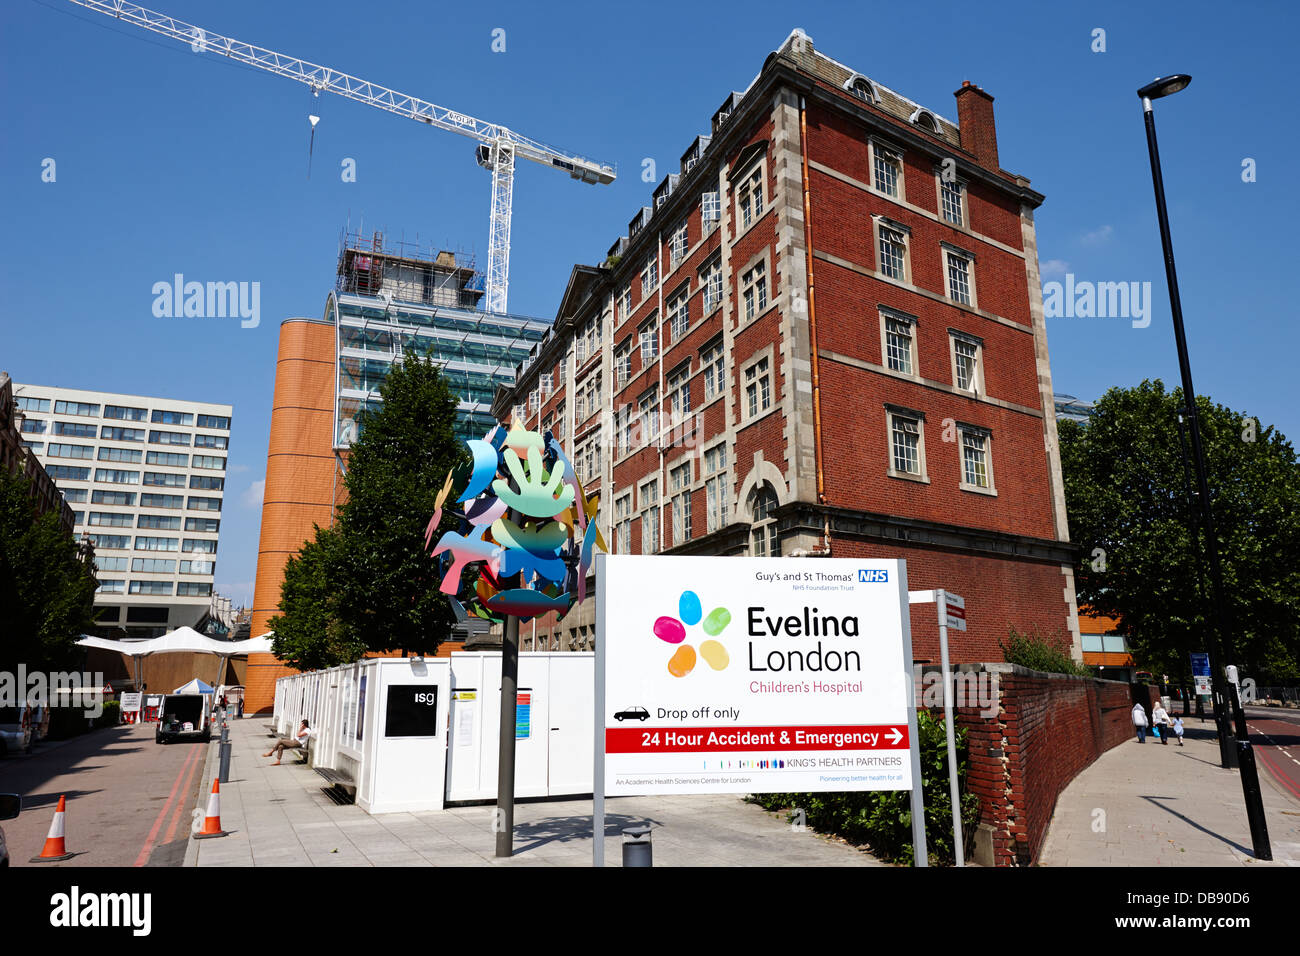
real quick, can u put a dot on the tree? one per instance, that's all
(47, 593)
(369, 583)
(1131, 506)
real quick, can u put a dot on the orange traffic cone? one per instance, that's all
(54, 849)
(212, 822)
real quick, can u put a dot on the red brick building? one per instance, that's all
(823, 336)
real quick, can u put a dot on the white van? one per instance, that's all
(16, 733)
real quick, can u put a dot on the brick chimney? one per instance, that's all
(975, 117)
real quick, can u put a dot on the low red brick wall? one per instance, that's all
(1046, 729)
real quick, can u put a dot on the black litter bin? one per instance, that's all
(636, 846)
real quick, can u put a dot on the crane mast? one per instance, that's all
(499, 146)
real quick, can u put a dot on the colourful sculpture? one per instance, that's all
(527, 532)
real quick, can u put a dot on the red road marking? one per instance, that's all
(157, 824)
(1278, 775)
(180, 805)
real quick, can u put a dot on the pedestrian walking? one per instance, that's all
(1178, 729)
(1160, 721)
(1140, 723)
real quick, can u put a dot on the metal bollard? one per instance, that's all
(223, 753)
(225, 734)
(636, 846)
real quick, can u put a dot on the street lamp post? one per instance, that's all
(1222, 643)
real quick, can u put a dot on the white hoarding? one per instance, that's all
(746, 675)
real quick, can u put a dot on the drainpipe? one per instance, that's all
(812, 324)
(659, 391)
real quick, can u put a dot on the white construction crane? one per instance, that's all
(498, 149)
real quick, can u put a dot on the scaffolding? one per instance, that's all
(407, 272)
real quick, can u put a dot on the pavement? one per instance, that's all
(281, 816)
(1156, 805)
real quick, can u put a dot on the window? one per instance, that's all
(143, 543)
(74, 495)
(712, 362)
(906, 444)
(559, 422)
(976, 471)
(860, 88)
(206, 483)
(625, 304)
(623, 524)
(162, 479)
(113, 433)
(193, 589)
(900, 345)
(679, 480)
(170, 459)
(679, 393)
(758, 387)
(967, 371)
(754, 290)
(200, 546)
(35, 426)
(209, 461)
(678, 243)
(75, 408)
(57, 450)
(763, 539)
(952, 201)
(887, 170)
(111, 542)
(711, 281)
(648, 413)
(198, 567)
(36, 446)
(168, 438)
(679, 317)
(623, 422)
(161, 417)
(113, 476)
(130, 455)
(151, 587)
(110, 564)
(211, 441)
(97, 497)
(125, 412)
(110, 519)
(893, 251)
(961, 284)
(154, 565)
(208, 525)
(203, 504)
(710, 210)
(26, 404)
(111, 587)
(161, 501)
(67, 473)
(159, 522)
(73, 429)
(650, 517)
(749, 198)
(649, 276)
(211, 421)
(622, 364)
(648, 340)
(715, 486)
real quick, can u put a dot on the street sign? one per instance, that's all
(130, 703)
(955, 610)
(742, 675)
(1201, 672)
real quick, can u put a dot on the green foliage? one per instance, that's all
(111, 715)
(1126, 491)
(368, 583)
(882, 820)
(1040, 653)
(47, 594)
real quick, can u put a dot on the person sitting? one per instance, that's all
(298, 743)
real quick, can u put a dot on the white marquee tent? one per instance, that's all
(183, 640)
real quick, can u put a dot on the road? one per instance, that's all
(1275, 736)
(129, 800)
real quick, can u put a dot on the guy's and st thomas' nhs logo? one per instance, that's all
(873, 577)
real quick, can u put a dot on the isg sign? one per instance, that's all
(739, 675)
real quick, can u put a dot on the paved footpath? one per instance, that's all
(1156, 805)
(279, 816)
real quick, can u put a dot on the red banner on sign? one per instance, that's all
(629, 740)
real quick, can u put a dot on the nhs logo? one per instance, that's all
(872, 577)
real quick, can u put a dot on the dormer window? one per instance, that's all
(861, 87)
(925, 119)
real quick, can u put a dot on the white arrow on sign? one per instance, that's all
(893, 736)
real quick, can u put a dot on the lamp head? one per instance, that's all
(1164, 86)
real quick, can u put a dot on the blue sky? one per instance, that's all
(173, 161)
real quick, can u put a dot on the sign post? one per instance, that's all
(775, 676)
(1201, 672)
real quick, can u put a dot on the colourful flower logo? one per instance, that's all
(672, 630)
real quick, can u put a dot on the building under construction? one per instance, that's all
(388, 297)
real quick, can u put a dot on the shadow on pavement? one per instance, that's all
(567, 829)
(1192, 823)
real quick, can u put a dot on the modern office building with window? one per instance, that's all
(389, 296)
(145, 478)
(823, 335)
